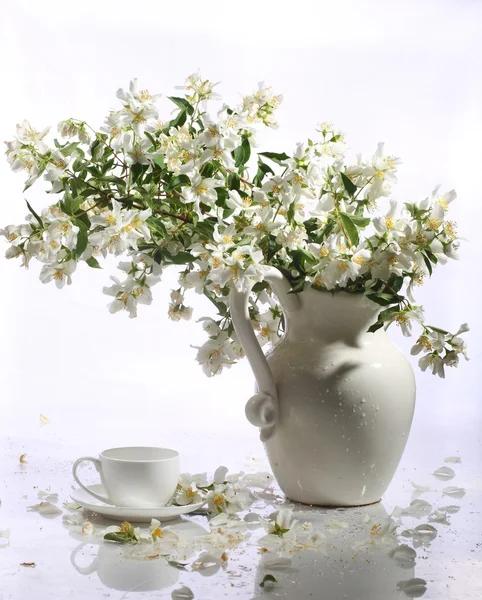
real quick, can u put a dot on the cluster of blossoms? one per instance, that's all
(191, 192)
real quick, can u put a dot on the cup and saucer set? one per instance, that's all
(137, 484)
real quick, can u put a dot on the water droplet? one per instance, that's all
(363, 400)
(363, 415)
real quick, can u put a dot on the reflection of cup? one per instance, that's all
(119, 569)
(135, 477)
(355, 565)
(124, 574)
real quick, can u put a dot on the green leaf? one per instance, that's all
(267, 578)
(350, 187)
(158, 159)
(223, 195)
(137, 170)
(375, 327)
(183, 104)
(77, 165)
(120, 538)
(242, 153)
(38, 219)
(179, 120)
(395, 282)
(427, 262)
(95, 149)
(438, 330)
(263, 170)
(181, 258)
(158, 226)
(234, 182)
(431, 256)
(350, 228)
(82, 239)
(207, 170)
(69, 148)
(384, 299)
(71, 205)
(150, 138)
(276, 157)
(360, 221)
(93, 262)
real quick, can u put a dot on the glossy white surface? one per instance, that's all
(335, 403)
(354, 564)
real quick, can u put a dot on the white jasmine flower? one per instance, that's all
(60, 272)
(136, 148)
(26, 134)
(201, 190)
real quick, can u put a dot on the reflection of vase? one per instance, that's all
(354, 564)
(335, 403)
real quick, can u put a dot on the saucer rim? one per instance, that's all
(98, 487)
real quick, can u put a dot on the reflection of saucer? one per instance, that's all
(138, 515)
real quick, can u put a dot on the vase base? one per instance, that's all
(332, 505)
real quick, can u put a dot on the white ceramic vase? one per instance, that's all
(334, 402)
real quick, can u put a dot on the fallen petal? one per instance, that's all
(4, 538)
(451, 509)
(426, 533)
(444, 473)
(45, 508)
(220, 474)
(421, 488)
(413, 588)
(418, 508)
(277, 563)
(88, 528)
(404, 555)
(48, 496)
(22, 458)
(439, 516)
(182, 593)
(453, 491)
(44, 420)
(453, 459)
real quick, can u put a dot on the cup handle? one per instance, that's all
(83, 570)
(98, 467)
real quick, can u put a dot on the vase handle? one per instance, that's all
(262, 408)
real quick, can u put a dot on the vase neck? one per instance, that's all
(328, 317)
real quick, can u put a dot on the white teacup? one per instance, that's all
(136, 477)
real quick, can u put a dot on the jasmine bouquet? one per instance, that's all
(194, 191)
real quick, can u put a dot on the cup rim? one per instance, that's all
(173, 454)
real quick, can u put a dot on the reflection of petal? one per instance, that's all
(276, 563)
(439, 516)
(444, 473)
(417, 508)
(47, 496)
(454, 492)
(419, 490)
(182, 593)
(4, 538)
(413, 588)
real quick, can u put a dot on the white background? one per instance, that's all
(405, 72)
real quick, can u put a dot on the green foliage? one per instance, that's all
(350, 187)
(276, 157)
(350, 228)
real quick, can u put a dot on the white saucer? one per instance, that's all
(137, 515)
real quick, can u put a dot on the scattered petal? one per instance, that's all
(22, 458)
(44, 420)
(73, 506)
(47, 496)
(424, 534)
(182, 593)
(451, 509)
(28, 564)
(413, 588)
(220, 474)
(404, 556)
(421, 488)
(252, 517)
(4, 538)
(444, 473)
(454, 492)
(88, 528)
(206, 562)
(439, 516)
(45, 508)
(453, 459)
